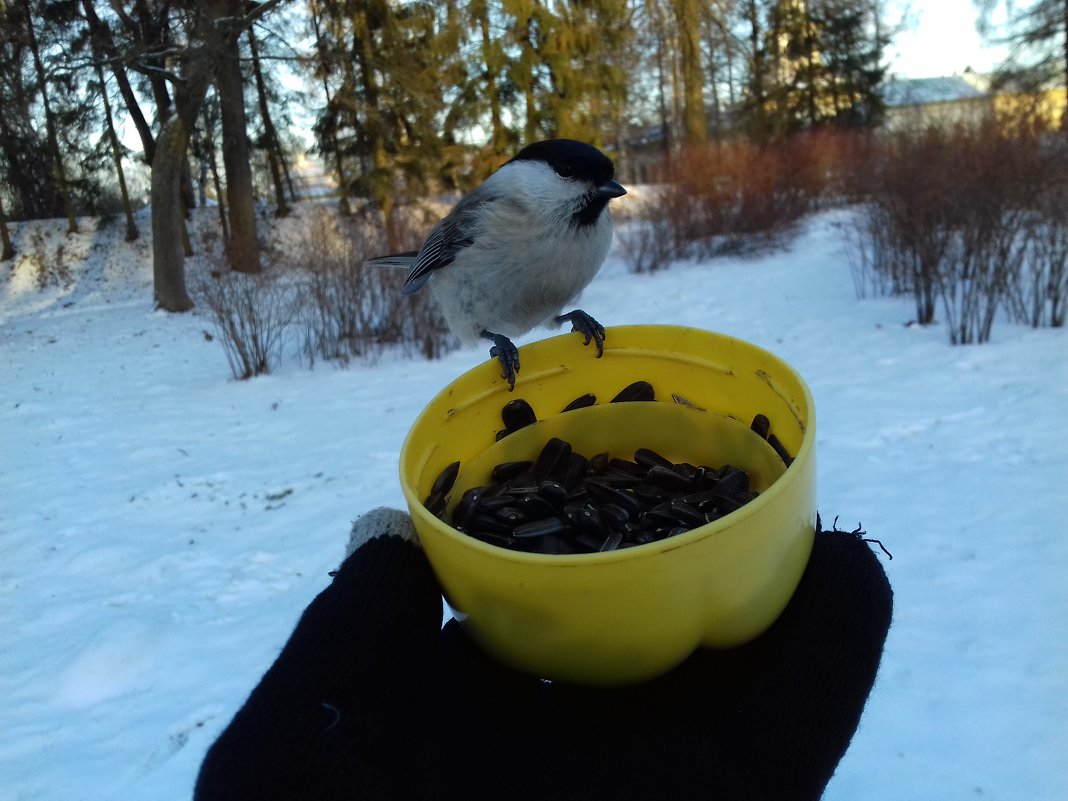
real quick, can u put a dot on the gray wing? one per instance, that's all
(450, 236)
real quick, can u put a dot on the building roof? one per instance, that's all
(919, 91)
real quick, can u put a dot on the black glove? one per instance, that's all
(372, 699)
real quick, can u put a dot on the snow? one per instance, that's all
(162, 526)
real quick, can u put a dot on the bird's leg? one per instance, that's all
(587, 326)
(506, 353)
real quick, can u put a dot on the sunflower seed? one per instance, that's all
(761, 425)
(638, 391)
(581, 402)
(538, 528)
(649, 458)
(773, 441)
(562, 502)
(446, 478)
(555, 450)
(517, 414)
(509, 470)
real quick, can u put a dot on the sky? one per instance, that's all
(940, 38)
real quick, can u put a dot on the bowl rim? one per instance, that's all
(766, 497)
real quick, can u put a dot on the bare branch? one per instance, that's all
(148, 69)
(240, 24)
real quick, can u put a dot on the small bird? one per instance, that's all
(512, 253)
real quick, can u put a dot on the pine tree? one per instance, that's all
(851, 44)
(59, 170)
(326, 29)
(386, 114)
(25, 160)
(106, 49)
(243, 252)
(756, 113)
(1037, 33)
(816, 62)
(489, 70)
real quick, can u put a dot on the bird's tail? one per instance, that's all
(401, 260)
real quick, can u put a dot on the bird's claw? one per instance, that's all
(507, 354)
(584, 324)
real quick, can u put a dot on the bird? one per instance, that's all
(513, 252)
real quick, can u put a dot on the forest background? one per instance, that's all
(409, 100)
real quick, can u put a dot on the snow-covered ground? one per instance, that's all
(162, 526)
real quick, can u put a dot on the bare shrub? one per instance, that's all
(732, 196)
(50, 264)
(350, 310)
(970, 217)
(867, 239)
(1040, 296)
(913, 187)
(826, 164)
(417, 325)
(996, 177)
(206, 238)
(646, 245)
(251, 314)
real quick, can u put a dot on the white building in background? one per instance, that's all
(966, 98)
(935, 101)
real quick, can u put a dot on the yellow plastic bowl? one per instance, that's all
(625, 616)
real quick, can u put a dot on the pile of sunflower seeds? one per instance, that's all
(564, 503)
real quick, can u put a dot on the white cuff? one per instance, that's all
(380, 522)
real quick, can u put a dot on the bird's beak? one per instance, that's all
(610, 189)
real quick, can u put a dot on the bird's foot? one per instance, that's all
(506, 353)
(587, 326)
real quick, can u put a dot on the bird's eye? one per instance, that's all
(565, 171)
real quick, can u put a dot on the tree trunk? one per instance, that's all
(270, 135)
(243, 252)
(5, 236)
(50, 124)
(713, 77)
(527, 62)
(153, 36)
(116, 152)
(289, 179)
(498, 135)
(688, 22)
(381, 190)
(758, 69)
(168, 217)
(104, 46)
(220, 202)
(169, 235)
(324, 67)
(168, 224)
(666, 129)
(811, 64)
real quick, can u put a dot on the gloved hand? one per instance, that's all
(372, 699)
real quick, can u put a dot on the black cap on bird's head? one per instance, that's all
(578, 161)
(570, 158)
